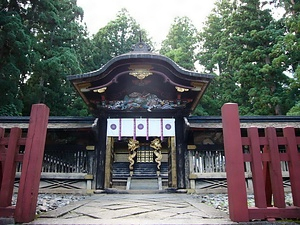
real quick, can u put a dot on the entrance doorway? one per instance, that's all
(145, 162)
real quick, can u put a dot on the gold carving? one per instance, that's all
(100, 90)
(132, 146)
(140, 71)
(84, 87)
(181, 89)
(197, 86)
(156, 145)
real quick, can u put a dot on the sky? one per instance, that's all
(155, 16)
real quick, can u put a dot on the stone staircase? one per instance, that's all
(144, 176)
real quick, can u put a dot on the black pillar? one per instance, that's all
(180, 152)
(101, 152)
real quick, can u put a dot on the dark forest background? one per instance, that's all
(254, 56)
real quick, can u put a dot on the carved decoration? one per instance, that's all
(143, 101)
(181, 89)
(156, 145)
(133, 145)
(100, 90)
(140, 71)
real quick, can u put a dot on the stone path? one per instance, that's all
(136, 209)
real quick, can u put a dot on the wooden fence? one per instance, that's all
(208, 173)
(208, 161)
(65, 159)
(66, 169)
(62, 159)
(213, 161)
(266, 154)
(31, 160)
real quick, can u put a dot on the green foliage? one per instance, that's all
(295, 110)
(181, 42)
(40, 44)
(9, 110)
(242, 43)
(15, 45)
(57, 35)
(117, 38)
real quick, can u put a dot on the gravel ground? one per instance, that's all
(47, 202)
(220, 201)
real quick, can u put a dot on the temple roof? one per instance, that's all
(143, 82)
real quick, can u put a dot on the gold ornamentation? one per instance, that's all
(100, 90)
(132, 146)
(84, 87)
(156, 145)
(181, 89)
(140, 71)
(197, 86)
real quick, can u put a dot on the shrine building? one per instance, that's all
(141, 101)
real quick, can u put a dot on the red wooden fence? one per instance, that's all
(265, 159)
(31, 160)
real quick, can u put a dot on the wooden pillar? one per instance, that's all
(172, 167)
(108, 163)
(101, 152)
(180, 152)
(237, 195)
(32, 164)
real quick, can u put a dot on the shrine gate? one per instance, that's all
(141, 101)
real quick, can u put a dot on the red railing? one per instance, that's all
(31, 161)
(265, 159)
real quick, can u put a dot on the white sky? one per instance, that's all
(155, 16)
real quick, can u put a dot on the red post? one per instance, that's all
(294, 163)
(275, 168)
(237, 195)
(257, 169)
(9, 169)
(32, 164)
(267, 178)
(2, 151)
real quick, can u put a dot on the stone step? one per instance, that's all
(143, 184)
(121, 170)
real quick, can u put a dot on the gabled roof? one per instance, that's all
(143, 82)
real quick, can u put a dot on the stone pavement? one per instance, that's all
(166, 208)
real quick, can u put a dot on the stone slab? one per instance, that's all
(136, 209)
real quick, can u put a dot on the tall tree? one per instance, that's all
(249, 56)
(117, 38)
(15, 44)
(291, 43)
(57, 33)
(213, 56)
(40, 43)
(181, 43)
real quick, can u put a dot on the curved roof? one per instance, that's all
(141, 56)
(149, 82)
